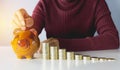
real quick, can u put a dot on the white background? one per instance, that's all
(8, 7)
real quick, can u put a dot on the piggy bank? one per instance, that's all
(25, 43)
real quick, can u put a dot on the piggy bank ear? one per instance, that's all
(34, 31)
(16, 31)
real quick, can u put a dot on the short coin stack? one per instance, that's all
(62, 54)
(54, 53)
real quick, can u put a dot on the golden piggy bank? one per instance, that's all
(25, 43)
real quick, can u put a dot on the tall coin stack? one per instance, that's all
(45, 51)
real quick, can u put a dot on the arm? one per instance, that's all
(38, 17)
(107, 38)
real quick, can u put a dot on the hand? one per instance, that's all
(52, 42)
(22, 20)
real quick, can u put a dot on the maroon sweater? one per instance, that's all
(74, 23)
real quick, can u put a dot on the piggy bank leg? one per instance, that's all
(19, 57)
(29, 57)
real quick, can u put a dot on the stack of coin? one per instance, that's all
(54, 52)
(102, 59)
(45, 51)
(62, 54)
(70, 56)
(94, 59)
(86, 58)
(78, 57)
(110, 59)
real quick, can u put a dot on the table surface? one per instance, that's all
(8, 61)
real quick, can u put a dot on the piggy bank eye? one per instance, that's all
(31, 36)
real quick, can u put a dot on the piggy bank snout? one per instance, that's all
(23, 43)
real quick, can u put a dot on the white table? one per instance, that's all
(8, 61)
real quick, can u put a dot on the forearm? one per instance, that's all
(38, 17)
(101, 42)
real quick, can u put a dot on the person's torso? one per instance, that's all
(70, 19)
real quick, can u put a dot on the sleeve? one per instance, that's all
(39, 16)
(107, 37)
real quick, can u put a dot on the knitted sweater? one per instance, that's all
(74, 23)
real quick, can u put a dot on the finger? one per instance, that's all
(50, 39)
(20, 18)
(22, 14)
(54, 42)
(34, 31)
(16, 19)
(16, 31)
(14, 24)
(47, 41)
(54, 45)
(43, 41)
(15, 27)
(29, 22)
